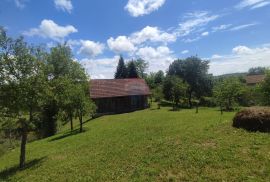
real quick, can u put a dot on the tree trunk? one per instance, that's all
(221, 110)
(23, 146)
(71, 123)
(189, 99)
(81, 123)
(197, 109)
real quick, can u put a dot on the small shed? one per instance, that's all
(119, 95)
(252, 80)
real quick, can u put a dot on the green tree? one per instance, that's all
(157, 93)
(257, 71)
(159, 77)
(83, 104)
(228, 92)
(141, 66)
(24, 87)
(60, 66)
(132, 70)
(121, 70)
(265, 88)
(194, 72)
(174, 89)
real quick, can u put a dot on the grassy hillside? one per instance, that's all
(150, 145)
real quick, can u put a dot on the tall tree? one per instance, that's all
(193, 71)
(141, 66)
(121, 70)
(24, 88)
(132, 70)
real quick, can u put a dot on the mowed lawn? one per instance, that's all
(149, 145)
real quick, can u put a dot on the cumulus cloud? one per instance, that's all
(64, 5)
(100, 68)
(252, 4)
(153, 34)
(49, 29)
(143, 7)
(241, 50)
(241, 59)
(121, 44)
(90, 48)
(137, 39)
(159, 58)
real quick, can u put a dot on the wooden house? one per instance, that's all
(119, 95)
(253, 80)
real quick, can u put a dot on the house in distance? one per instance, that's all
(253, 80)
(119, 95)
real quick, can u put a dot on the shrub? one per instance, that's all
(253, 119)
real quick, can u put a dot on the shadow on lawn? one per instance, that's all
(68, 134)
(6, 174)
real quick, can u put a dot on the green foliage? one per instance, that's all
(257, 71)
(228, 92)
(265, 89)
(174, 89)
(194, 72)
(141, 66)
(132, 70)
(121, 71)
(155, 79)
(148, 145)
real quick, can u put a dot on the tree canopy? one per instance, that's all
(194, 72)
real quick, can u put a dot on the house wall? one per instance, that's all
(121, 104)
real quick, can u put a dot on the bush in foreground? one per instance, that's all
(253, 119)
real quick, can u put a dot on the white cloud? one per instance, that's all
(241, 50)
(252, 4)
(121, 44)
(20, 3)
(205, 34)
(221, 27)
(153, 34)
(241, 27)
(159, 58)
(216, 56)
(49, 29)
(241, 59)
(100, 68)
(143, 7)
(185, 52)
(195, 21)
(64, 5)
(90, 48)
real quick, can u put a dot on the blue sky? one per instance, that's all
(233, 35)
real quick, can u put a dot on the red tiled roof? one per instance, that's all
(118, 88)
(254, 79)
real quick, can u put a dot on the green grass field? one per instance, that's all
(149, 145)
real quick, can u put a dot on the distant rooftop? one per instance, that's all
(118, 88)
(254, 79)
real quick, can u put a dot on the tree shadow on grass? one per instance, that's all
(68, 134)
(8, 173)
